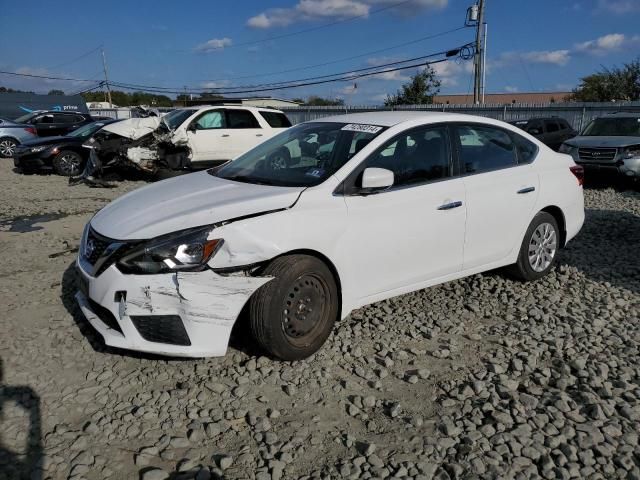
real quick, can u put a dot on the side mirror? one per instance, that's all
(534, 131)
(192, 127)
(376, 178)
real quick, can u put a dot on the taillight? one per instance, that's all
(31, 130)
(578, 171)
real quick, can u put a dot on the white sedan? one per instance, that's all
(373, 205)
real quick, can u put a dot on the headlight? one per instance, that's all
(184, 250)
(565, 148)
(631, 152)
(37, 149)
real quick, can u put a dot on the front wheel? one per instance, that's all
(68, 163)
(539, 248)
(292, 315)
(7, 147)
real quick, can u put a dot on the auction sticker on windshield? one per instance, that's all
(359, 127)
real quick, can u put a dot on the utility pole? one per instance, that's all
(478, 62)
(484, 61)
(106, 78)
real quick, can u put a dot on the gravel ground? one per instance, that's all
(479, 378)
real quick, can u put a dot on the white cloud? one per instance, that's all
(619, 7)
(214, 44)
(214, 85)
(311, 10)
(552, 57)
(510, 89)
(348, 90)
(450, 72)
(602, 45)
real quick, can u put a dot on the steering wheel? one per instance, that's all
(279, 160)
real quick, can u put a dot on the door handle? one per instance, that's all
(258, 134)
(527, 190)
(449, 206)
(225, 134)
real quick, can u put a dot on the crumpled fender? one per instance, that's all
(202, 297)
(133, 128)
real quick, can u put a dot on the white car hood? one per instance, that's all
(185, 202)
(133, 128)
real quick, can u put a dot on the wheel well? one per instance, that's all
(556, 212)
(324, 259)
(11, 138)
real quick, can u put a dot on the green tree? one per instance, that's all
(316, 101)
(421, 89)
(618, 83)
(55, 92)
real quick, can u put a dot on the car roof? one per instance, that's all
(390, 119)
(231, 105)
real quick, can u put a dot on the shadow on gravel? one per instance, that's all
(606, 249)
(28, 462)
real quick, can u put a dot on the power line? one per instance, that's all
(312, 29)
(347, 74)
(76, 59)
(324, 64)
(318, 82)
(45, 77)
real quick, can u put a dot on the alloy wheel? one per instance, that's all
(542, 247)
(7, 148)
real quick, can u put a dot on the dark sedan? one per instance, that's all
(551, 131)
(65, 155)
(51, 123)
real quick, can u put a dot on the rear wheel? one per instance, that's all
(7, 147)
(539, 248)
(292, 315)
(68, 163)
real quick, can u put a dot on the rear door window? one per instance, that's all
(482, 149)
(241, 119)
(552, 126)
(276, 119)
(526, 150)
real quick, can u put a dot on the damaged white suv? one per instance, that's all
(194, 137)
(368, 206)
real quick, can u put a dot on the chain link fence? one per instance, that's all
(577, 114)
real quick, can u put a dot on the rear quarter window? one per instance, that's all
(276, 119)
(525, 149)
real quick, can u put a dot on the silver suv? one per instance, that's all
(13, 134)
(609, 143)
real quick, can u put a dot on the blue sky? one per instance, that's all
(541, 45)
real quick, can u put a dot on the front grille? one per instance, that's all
(105, 315)
(598, 155)
(161, 329)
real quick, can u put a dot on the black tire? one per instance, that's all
(68, 163)
(306, 283)
(523, 268)
(7, 147)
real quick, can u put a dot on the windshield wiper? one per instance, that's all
(248, 179)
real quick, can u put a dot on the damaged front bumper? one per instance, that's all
(188, 314)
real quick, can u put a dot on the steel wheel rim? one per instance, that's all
(69, 163)
(304, 308)
(542, 247)
(7, 147)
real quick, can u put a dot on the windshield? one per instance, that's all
(302, 156)
(87, 130)
(175, 118)
(608, 127)
(25, 118)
